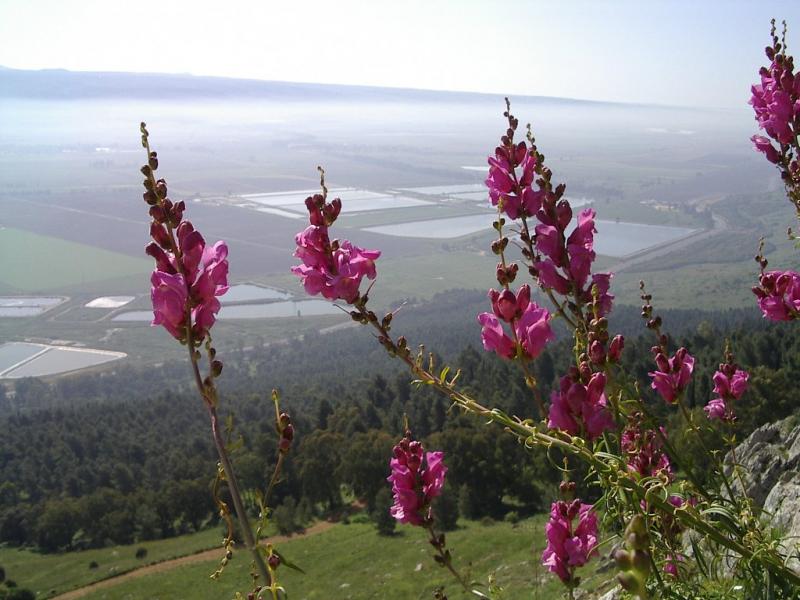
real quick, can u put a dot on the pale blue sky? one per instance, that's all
(667, 52)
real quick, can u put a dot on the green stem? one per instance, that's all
(446, 561)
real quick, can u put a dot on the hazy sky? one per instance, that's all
(666, 52)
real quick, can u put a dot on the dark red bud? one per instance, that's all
(161, 188)
(159, 233)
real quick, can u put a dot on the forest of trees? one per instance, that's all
(92, 460)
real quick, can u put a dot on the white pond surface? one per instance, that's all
(19, 359)
(451, 189)
(244, 292)
(612, 238)
(27, 306)
(110, 302)
(302, 308)
(286, 204)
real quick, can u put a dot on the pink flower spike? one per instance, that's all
(674, 374)
(779, 295)
(414, 484)
(568, 547)
(581, 410)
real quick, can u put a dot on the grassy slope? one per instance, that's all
(353, 561)
(61, 572)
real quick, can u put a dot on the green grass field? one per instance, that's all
(353, 561)
(45, 573)
(345, 561)
(32, 263)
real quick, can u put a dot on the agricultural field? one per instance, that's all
(33, 263)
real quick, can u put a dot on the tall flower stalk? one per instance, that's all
(188, 278)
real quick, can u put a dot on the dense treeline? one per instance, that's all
(127, 456)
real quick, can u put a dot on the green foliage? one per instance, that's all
(445, 509)
(376, 566)
(385, 523)
(284, 518)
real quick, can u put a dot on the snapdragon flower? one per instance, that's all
(643, 449)
(730, 383)
(569, 546)
(189, 275)
(778, 295)
(415, 482)
(580, 409)
(333, 269)
(673, 374)
(529, 321)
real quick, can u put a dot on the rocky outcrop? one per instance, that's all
(770, 468)
(766, 457)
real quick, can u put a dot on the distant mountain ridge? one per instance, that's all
(60, 84)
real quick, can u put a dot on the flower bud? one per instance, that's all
(274, 561)
(615, 348)
(161, 188)
(597, 353)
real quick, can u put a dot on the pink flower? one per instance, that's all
(530, 322)
(764, 146)
(671, 565)
(674, 374)
(615, 348)
(775, 100)
(313, 247)
(508, 306)
(169, 296)
(515, 195)
(716, 409)
(581, 409)
(548, 242)
(336, 274)
(568, 547)
(494, 338)
(333, 269)
(643, 449)
(730, 383)
(549, 277)
(604, 299)
(414, 487)
(779, 295)
(580, 246)
(191, 284)
(533, 329)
